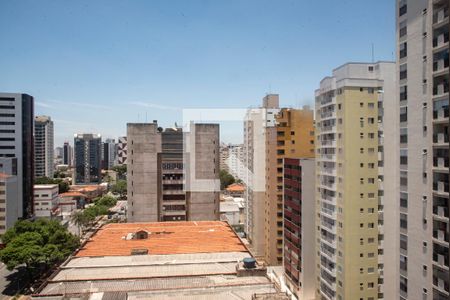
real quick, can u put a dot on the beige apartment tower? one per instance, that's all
(172, 175)
(351, 183)
(291, 137)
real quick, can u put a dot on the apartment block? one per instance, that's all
(232, 160)
(67, 154)
(299, 226)
(43, 147)
(17, 143)
(172, 175)
(423, 86)
(9, 193)
(352, 188)
(46, 197)
(292, 136)
(87, 158)
(109, 154)
(257, 122)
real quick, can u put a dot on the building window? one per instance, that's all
(404, 200)
(402, 29)
(402, 8)
(404, 157)
(403, 72)
(403, 284)
(403, 50)
(403, 93)
(403, 221)
(403, 135)
(403, 242)
(403, 114)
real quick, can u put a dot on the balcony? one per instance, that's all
(440, 139)
(440, 212)
(440, 65)
(328, 143)
(440, 281)
(441, 187)
(440, 235)
(441, 115)
(440, 89)
(440, 17)
(173, 192)
(441, 164)
(441, 260)
(329, 212)
(440, 40)
(328, 115)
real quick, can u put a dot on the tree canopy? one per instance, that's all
(37, 244)
(225, 179)
(120, 188)
(62, 185)
(121, 171)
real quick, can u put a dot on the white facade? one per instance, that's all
(256, 121)
(46, 197)
(43, 147)
(8, 201)
(232, 160)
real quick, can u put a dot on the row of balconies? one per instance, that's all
(441, 163)
(440, 211)
(441, 39)
(441, 187)
(441, 283)
(441, 260)
(440, 16)
(440, 235)
(440, 89)
(440, 64)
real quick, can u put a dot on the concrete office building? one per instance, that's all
(43, 147)
(256, 124)
(67, 154)
(109, 154)
(16, 142)
(87, 158)
(172, 175)
(299, 227)
(423, 72)
(46, 198)
(353, 190)
(293, 136)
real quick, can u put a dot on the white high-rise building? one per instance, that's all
(423, 217)
(43, 147)
(17, 146)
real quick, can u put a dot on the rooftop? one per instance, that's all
(45, 186)
(72, 194)
(163, 238)
(236, 187)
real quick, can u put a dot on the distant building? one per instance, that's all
(173, 175)
(67, 154)
(9, 212)
(166, 260)
(71, 201)
(299, 226)
(16, 130)
(232, 210)
(232, 160)
(122, 151)
(87, 158)
(43, 147)
(235, 190)
(58, 152)
(109, 154)
(46, 197)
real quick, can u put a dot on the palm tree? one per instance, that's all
(79, 219)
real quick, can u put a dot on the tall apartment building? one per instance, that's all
(172, 175)
(122, 151)
(43, 147)
(67, 154)
(299, 226)
(353, 190)
(423, 73)
(292, 136)
(9, 193)
(232, 160)
(256, 124)
(87, 158)
(17, 146)
(109, 154)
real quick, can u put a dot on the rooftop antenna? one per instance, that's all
(373, 54)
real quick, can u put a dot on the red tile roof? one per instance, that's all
(235, 187)
(164, 238)
(72, 194)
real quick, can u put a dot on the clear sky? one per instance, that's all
(93, 66)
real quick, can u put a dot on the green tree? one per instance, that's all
(121, 171)
(38, 245)
(80, 220)
(225, 179)
(63, 186)
(107, 201)
(120, 188)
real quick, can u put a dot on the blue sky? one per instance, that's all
(93, 66)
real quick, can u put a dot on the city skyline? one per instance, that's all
(149, 60)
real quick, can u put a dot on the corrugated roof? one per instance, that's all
(164, 238)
